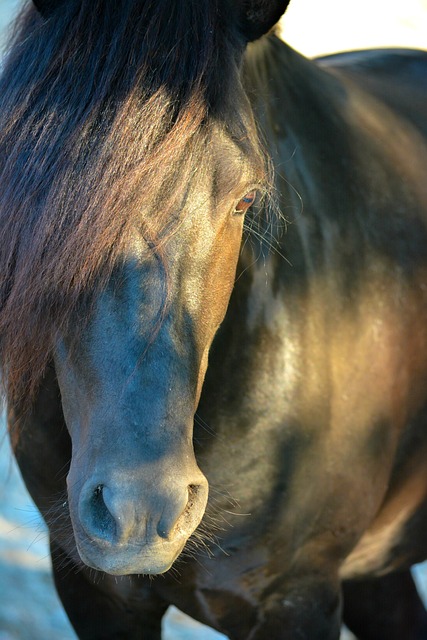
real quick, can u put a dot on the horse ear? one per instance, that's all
(257, 17)
(46, 7)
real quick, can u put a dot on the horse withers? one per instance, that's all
(213, 267)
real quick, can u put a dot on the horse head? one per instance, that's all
(157, 160)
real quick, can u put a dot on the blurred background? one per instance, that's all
(29, 608)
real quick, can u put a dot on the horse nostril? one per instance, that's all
(186, 519)
(95, 515)
(194, 509)
(193, 490)
(194, 499)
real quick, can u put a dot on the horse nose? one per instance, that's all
(113, 516)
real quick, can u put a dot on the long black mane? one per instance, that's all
(97, 103)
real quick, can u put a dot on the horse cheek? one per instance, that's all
(217, 291)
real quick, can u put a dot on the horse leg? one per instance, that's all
(98, 608)
(386, 608)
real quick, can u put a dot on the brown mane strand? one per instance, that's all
(96, 105)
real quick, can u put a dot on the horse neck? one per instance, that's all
(303, 113)
(340, 161)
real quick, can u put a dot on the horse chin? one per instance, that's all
(129, 561)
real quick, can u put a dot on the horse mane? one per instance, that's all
(97, 103)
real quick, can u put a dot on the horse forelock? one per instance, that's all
(97, 104)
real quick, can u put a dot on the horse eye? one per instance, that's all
(246, 202)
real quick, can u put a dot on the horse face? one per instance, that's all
(130, 379)
(131, 372)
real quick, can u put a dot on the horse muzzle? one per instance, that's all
(125, 525)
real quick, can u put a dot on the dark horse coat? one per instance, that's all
(139, 142)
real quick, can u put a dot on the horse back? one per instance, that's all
(397, 77)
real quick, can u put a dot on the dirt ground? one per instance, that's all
(29, 608)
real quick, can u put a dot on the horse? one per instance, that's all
(213, 331)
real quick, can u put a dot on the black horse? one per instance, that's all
(140, 141)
